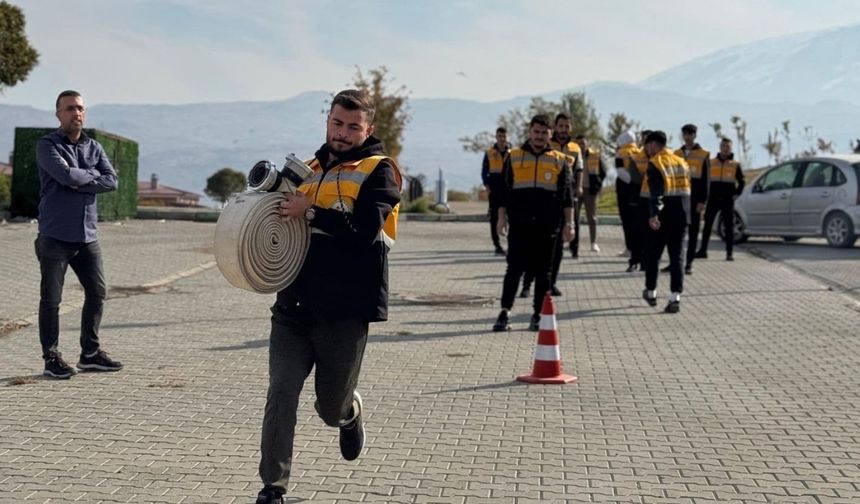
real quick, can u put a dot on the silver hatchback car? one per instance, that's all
(815, 196)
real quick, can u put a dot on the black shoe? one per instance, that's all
(526, 292)
(534, 324)
(56, 367)
(730, 258)
(673, 307)
(500, 251)
(99, 362)
(666, 269)
(269, 496)
(502, 323)
(352, 434)
(631, 268)
(554, 292)
(652, 301)
(702, 254)
(688, 270)
(574, 254)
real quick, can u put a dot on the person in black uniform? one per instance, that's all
(698, 159)
(669, 187)
(536, 204)
(491, 175)
(727, 183)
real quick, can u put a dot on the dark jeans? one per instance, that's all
(670, 236)
(55, 256)
(693, 234)
(494, 218)
(530, 250)
(301, 339)
(627, 213)
(641, 213)
(725, 207)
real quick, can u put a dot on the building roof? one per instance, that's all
(145, 190)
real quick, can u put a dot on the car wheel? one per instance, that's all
(791, 239)
(739, 229)
(839, 230)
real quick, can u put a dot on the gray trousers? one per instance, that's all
(300, 340)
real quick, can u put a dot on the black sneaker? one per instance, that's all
(99, 362)
(352, 434)
(702, 254)
(502, 323)
(56, 367)
(652, 301)
(730, 258)
(269, 495)
(526, 292)
(534, 324)
(688, 270)
(554, 292)
(574, 254)
(631, 268)
(673, 307)
(500, 251)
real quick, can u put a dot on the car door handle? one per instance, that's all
(783, 196)
(825, 195)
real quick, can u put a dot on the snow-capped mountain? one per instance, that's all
(803, 68)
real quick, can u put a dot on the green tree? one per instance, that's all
(224, 183)
(583, 116)
(17, 56)
(618, 124)
(5, 191)
(392, 107)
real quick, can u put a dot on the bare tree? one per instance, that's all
(786, 133)
(773, 146)
(740, 127)
(718, 130)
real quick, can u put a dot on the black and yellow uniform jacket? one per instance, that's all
(346, 268)
(669, 185)
(727, 177)
(537, 186)
(698, 159)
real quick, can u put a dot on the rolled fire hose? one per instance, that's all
(254, 249)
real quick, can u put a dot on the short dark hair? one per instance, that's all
(68, 92)
(540, 119)
(645, 133)
(657, 137)
(689, 128)
(726, 139)
(354, 99)
(501, 129)
(560, 116)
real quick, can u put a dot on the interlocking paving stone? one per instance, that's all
(751, 394)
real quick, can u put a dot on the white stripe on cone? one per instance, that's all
(547, 353)
(547, 323)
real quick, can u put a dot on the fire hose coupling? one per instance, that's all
(265, 176)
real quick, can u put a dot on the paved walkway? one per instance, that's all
(750, 395)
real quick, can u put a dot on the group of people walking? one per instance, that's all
(536, 192)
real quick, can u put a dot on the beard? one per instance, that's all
(339, 146)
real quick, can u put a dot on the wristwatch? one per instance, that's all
(310, 213)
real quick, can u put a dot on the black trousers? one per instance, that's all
(627, 214)
(640, 229)
(530, 250)
(494, 218)
(673, 227)
(300, 340)
(725, 207)
(693, 233)
(85, 259)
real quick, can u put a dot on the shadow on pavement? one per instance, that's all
(491, 386)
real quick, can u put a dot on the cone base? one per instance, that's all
(558, 379)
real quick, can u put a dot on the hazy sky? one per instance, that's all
(183, 51)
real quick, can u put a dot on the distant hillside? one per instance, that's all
(803, 68)
(187, 143)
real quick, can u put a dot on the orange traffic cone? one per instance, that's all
(547, 367)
